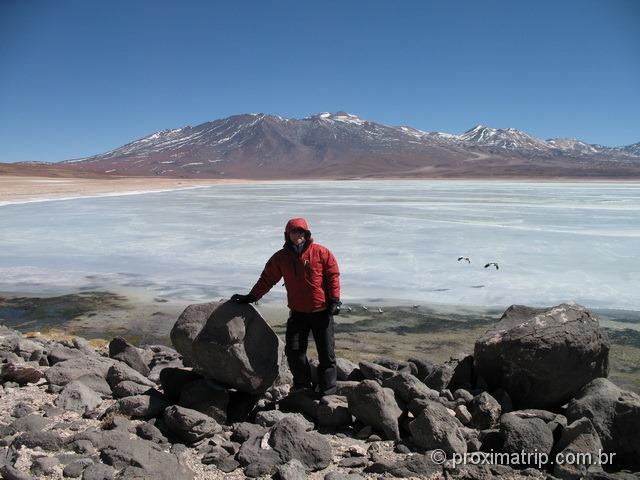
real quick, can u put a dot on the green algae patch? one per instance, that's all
(44, 313)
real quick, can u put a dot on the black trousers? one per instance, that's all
(297, 339)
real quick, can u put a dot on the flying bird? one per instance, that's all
(415, 306)
(490, 264)
(364, 308)
(349, 309)
(464, 258)
(380, 310)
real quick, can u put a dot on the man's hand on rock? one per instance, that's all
(334, 306)
(243, 298)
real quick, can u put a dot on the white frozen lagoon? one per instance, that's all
(395, 241)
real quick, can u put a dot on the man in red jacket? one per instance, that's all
(312, 279)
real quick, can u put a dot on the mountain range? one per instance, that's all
(342, 145)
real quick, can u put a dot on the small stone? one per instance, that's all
(10, 473)
(228, 464)
(149, 432)
(98, 471)
(51, 411)
(75, 468)
(357, 451)
(374, 438)
(292, 470)
(44, 466)
(462, 414)
(22, 409)
(401, 448)
(353, 462)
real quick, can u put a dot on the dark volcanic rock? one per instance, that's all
(243, 431)
(292, 470)
(74, 469)
(420, 466)
(229, 343)
(118, 449)
(206, 396)
(407, 387)
(485, 411)
(76, 396)
(525, 435)
(615, 414)
(122, 350)
(30, 423)
(376, 406)
(128, 388)
(44, 466)
(20, 372)
(578, 438)
(140, 406)
(98, 471)
(189, 425)
(519, 352)
(10, 473)
(269, 418)
(290, 439)
(373, 371)
(47, 440)
(423, 367)
(121, 372)
(173, 380)
(257, 460)
(330, 411)
(453, 374)
(345, 368)
(150, 432)
(436, 428)
(83, 368)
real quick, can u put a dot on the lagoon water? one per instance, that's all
(396, 241)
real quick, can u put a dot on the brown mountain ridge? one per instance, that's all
(342, 145)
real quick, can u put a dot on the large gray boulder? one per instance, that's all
(436, 428)
(527, 435)
(376, 406)
(292, 441)
(229, 343)
(615, 414)
(580, 440)
(542, 356)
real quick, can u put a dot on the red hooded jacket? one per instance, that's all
(312, 278)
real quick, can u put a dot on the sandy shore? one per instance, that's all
(17, 189)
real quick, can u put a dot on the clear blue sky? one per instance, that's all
(82, 77)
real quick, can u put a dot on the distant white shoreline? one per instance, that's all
(557, 182)
(99, 195)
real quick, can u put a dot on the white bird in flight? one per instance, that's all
(380, 310)
(464, 258)
(492, 264)
(364, 308)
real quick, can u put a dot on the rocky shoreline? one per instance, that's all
(219, 405)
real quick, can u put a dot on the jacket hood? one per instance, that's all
(297, 223)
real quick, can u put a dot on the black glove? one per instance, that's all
(243, 298)
(334, 306)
